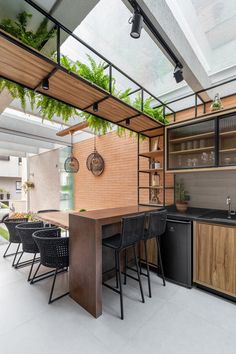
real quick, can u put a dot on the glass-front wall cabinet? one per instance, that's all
(227, 141)
(192, 146)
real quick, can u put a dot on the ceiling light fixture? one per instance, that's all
(95, 107)
(137, 24)
(45, 84)
(127, 121)
(178, 74)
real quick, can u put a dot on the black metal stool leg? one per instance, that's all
(17, 252)
(160, 262)
(116, 265)
(148, 272)
(35, 273)
(138, 272)
(120, 283)
(53, 284)
(5, 253)
(31, 268)
(125, 270)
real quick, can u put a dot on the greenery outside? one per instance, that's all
(4, 233)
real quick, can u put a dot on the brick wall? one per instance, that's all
(117, 186)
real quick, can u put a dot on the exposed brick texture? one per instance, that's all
(117, 186)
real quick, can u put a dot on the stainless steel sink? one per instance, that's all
(218, 214)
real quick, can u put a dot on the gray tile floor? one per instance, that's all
(174, 321)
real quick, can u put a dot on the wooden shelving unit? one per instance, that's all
(150, 193)
(152, 154)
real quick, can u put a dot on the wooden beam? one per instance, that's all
(73, 129)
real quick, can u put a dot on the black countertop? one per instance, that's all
(198, 214)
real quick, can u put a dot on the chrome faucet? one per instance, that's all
(228, 202)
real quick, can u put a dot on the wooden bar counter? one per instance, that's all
(86, 232)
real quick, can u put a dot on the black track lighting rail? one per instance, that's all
(156, 34)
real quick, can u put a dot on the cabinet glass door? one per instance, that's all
(227, 141)
(192, 146)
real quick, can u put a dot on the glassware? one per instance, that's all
(189, 145)
(183, 146)
(202, 143)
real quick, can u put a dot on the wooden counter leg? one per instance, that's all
(85, 275)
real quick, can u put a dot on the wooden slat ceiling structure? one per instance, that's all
(27, 67)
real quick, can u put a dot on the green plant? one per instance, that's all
(180, 192)
(19, 29)
(82, 210)
(93, 71)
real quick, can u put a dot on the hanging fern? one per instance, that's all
(19, 30)
(93, 71)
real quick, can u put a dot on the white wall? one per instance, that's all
(210, 189)
(44, 172)
(9, 184)
(10, 168)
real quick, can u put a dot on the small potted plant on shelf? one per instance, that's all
(181, 197)
(216, 104)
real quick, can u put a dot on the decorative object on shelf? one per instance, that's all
(181, 197)
(82, 210)
(8, 195)
(153, 163)
(71, 164)
(157, 164)
(95, 162)
(154, 199)
(27, 186)
(155, 180)
(216, 104)
(156, 144)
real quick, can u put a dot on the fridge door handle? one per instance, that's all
(178, 221)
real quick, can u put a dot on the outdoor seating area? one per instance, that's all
(117, 177)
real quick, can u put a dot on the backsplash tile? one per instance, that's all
(210, 189)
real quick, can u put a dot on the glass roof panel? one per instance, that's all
(107, 30)
(217, 20)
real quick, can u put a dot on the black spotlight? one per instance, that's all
(178, 74)
(127, 121)
(95, 107)
(45, 84)
(137, 24)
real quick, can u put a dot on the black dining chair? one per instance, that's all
(13, 236)
(25, 231)
(54, 253)
(156, 228)
(132, 232)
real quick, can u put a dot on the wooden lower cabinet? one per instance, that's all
(215, 257)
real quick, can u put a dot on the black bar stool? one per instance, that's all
(13, 236)
(156, 228)
(132, 232)
(54, 253)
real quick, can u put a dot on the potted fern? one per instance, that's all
(181, 197)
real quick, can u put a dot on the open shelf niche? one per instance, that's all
(155, 188)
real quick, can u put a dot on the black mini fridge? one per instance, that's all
(176, 250)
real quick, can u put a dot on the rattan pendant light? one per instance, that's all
(95, 162)
(71, 164)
